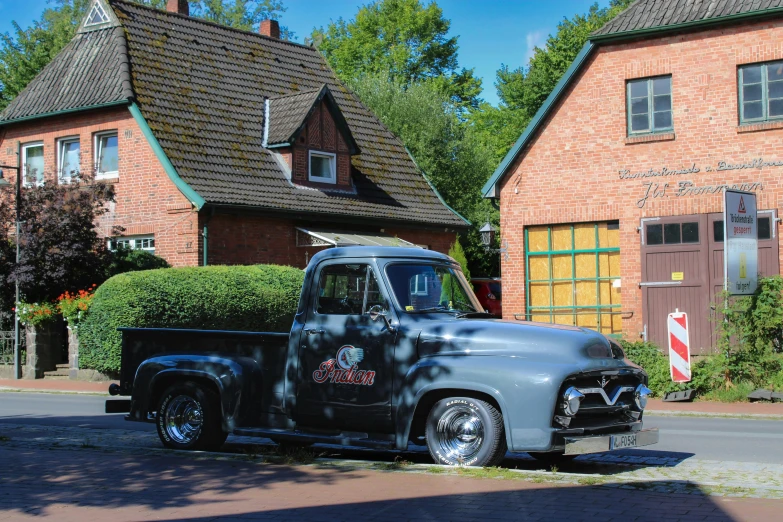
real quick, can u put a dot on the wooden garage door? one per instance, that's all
(682, 268)
(675, 276)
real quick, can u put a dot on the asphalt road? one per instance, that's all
(739, 440)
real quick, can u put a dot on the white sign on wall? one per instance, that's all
(741, 245)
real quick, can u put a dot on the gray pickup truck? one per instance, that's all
(389, 347)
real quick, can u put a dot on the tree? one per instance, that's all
(402, 39)
(446, 150)
(522, 91)
(458, 254)
(61, 249)
(7, 259)
(23, 55)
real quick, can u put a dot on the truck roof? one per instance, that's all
(372, 251)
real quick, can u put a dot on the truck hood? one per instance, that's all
(533, 341)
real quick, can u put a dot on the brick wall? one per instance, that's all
(147, 201)
(570, 171)
(320, 134)
(240, 239)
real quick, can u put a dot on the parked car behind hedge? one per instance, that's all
(249, 298)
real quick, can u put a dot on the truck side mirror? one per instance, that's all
(377, 312)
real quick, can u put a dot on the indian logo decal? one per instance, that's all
(344, 369)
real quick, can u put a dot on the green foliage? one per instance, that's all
(749, 337)
(250, 298)
(458, 254)
(403, 40)
(34, 314)
(523, 90)
(444, 148)
(127, 260)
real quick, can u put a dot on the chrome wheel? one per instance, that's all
(459, 434)
(183, 419)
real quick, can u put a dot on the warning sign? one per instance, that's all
(740, 255)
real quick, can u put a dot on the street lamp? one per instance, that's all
(6, 183)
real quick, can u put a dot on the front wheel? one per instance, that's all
(189, 418)
(462, 431)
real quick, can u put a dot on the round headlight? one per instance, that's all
(640, 396)
(572, 399)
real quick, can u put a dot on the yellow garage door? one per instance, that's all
(573, 275)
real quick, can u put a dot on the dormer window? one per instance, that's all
(322, 167)
(97, 15)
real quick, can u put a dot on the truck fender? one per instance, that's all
(237, 380)
(405, 411)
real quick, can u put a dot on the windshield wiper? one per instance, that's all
(440, 308)
(474, 314)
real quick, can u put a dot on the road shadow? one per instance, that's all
(39, 482)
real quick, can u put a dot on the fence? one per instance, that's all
(7, 346)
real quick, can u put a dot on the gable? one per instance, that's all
(203, 90)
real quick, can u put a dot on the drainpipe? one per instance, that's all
(205, 236)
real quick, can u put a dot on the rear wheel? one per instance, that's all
(189, 418)
(463, 431)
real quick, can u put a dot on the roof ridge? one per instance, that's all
(124, 64)
(213, 24)
(298, 93)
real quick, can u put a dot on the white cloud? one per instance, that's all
(533, 39)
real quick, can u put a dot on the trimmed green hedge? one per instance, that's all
(259, 298)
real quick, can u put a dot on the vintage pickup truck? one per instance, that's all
(388, 347)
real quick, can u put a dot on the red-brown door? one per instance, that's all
(682, 268)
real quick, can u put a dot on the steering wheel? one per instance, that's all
(347, 303)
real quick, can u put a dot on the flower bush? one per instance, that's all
(73, 305)
(34, 314)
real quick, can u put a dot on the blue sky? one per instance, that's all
(491, 32)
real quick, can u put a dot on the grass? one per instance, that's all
(4, 438)
(738, 392)
(396, 465)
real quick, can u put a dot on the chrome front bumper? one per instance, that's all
(580, 445)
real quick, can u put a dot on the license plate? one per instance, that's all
(624, 441)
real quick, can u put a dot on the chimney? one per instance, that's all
(270, 28)
(178, 6)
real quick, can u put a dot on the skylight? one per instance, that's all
(97, 15)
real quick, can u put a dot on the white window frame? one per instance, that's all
(97, 148)
(133, 243)
(61, 142)
(332, 164)
(96, 6)
(416, 287)
(26, 146)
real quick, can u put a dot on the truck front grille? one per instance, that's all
(609, 400)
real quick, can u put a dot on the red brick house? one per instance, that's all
(224, 146)
(611, 199)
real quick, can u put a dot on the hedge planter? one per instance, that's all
(44, 348)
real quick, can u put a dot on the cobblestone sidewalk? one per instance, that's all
(77, 481)
(638, 469)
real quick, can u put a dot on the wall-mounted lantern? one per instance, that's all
(488, 239)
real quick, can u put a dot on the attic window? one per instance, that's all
(97, 15)
(322, 167)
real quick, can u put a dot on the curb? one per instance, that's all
(9, 389)
(751, 416)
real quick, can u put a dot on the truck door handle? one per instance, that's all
(313, 331)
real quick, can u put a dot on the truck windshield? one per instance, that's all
(431, 288)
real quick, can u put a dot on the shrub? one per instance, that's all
(128, 260)
(249, 298)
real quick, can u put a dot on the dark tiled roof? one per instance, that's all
(91, 70)
(288, 113)
(201, 87)
(648, 14)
